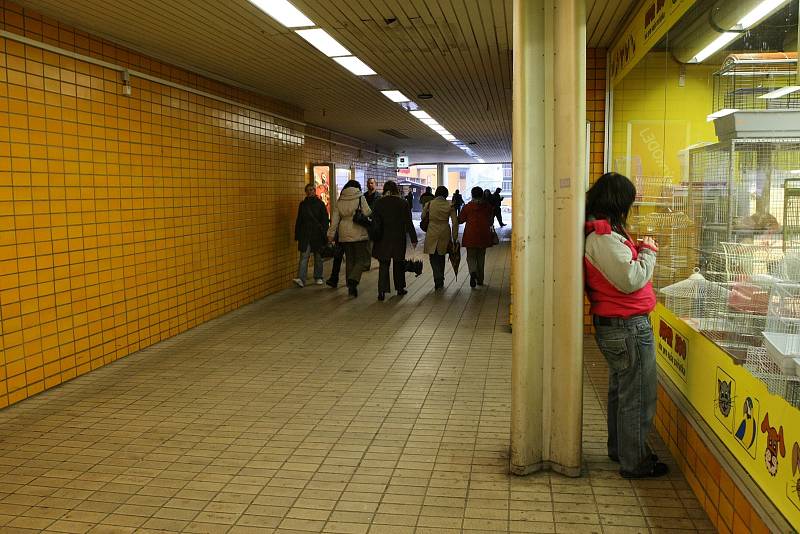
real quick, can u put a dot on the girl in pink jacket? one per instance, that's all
(617, 274)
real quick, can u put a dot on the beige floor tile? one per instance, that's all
(253, 422)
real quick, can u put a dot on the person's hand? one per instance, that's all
(650, 242)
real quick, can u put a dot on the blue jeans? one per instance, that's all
(302, 269)
(629, 348)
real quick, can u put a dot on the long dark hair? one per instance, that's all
(611, 197)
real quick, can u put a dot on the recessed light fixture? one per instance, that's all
(783, 91)
(396, 96)
(354, 65)
(283, 12)
(322, 41)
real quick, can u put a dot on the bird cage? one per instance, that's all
(782, 332)
(791, 212)
(689, 299)
(737, 192)
(745, 271)
(761, 366)
(673, 233)
(758, 81)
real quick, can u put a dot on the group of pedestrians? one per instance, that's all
(365, 225)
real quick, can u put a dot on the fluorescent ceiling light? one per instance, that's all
(319, 39)
(481, 160)
(783, 91)
(421, 114)
(718, 44)
(283, 12)
(449, 137)
(720, 113)
(430, 122)
(396, 96)
(354, 65)
(761, 11)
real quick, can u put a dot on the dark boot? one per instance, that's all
(352, 288)
(473, 279)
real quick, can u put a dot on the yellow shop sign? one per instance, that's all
(652, 21)
(760, 429)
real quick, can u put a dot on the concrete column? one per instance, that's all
(549, 154)
(441, 179)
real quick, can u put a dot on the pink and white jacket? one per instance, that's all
(617, 273)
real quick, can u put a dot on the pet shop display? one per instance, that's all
(689, 299)
(762, 366)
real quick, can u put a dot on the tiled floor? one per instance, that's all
(309, 412)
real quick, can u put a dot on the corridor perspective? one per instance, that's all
(295, 414)
(560, 290)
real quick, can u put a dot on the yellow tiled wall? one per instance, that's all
(125, 220)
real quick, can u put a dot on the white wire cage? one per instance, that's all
(674, 234)
(689, 299)
(761, 366)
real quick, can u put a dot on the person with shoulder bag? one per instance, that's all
(441, 232)
(478, 215)
(617, 274)
(310, 229)
(350, 220)
(392, 223)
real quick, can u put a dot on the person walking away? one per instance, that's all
(497, 200)
(426, 197)
(310, 228)
(393, 216)
(372, 193)
(618, 273)
(336, 265)
(442, 231)
(458, 201)
(410, 199)
(478, 216)
(353, 237)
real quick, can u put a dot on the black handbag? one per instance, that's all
(375, 230)
(413, 266)
(359, 218)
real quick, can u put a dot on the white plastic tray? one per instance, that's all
(783, 350)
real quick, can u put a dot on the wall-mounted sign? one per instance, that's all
(321, 178)
(760, 429)
(652, 21)
(402, 162)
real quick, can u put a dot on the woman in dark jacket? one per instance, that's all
(309, 232)
(392, 215)
(479, 216)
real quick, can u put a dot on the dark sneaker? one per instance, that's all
(332, 283)
(657, 469)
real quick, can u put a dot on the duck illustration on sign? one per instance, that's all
(748, 427)
(775, 445)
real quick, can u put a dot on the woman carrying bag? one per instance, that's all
(353, 236)
(442, 230)
(392, 222)
(478, 216)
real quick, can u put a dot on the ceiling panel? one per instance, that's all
(457, 50)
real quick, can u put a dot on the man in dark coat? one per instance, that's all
(372, 193)
(392, 214)
(497, 201)
(458, 201)
(426, 197)
(310, 231)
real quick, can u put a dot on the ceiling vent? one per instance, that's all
(394, 133)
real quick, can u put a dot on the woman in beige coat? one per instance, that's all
(442, 230)
(353, 237)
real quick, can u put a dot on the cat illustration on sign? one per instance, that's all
(724, 397)
(775, 445)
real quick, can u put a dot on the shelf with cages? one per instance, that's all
(763, 81)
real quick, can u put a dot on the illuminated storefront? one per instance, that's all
(705, 120)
